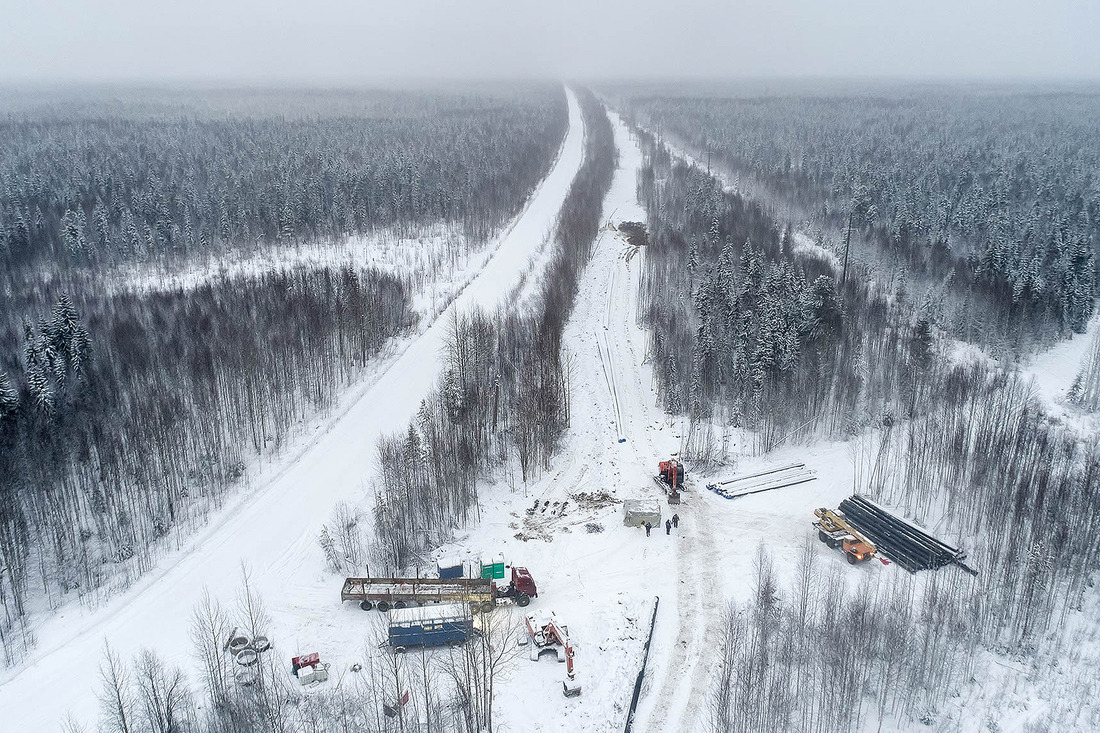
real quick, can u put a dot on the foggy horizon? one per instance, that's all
(344, 43)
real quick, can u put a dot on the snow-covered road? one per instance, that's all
(274, 529)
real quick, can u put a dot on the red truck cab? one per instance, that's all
(521, 590)
(523, 582)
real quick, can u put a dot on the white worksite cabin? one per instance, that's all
(636, 512)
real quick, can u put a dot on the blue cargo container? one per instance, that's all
(446, 623)
(449, 568)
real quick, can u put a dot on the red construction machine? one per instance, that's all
(671, 472)
(546, 634)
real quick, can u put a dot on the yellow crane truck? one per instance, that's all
(834, 531)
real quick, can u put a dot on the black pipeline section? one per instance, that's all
(898, 540)
(641, 672)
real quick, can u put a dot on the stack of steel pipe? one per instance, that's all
(899, 540)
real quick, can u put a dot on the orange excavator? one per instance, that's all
(671, 472)
(547, 634)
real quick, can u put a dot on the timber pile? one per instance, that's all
(900, 541)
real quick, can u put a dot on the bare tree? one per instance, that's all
(116, 699)
(250, 606)
(165, 697)
(210, 630)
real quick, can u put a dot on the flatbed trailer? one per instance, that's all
(481, 593)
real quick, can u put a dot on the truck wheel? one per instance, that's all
(523, 600)
(383, 606)
(399, 604)
(366, 605)
(833, 543)
(399, 650)
(851, 558)
(822, 536)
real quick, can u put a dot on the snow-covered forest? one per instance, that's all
(990, 194)
(503, 398)
(748, 329)
(88, 179)
(355, 377)
(129, 411)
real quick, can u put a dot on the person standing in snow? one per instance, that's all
(675, 520)
(668, 526)
(648, 527)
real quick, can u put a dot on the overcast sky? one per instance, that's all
(350, 40)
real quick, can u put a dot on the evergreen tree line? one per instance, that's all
(158, 173)
(504, 394)
(126, 416)
(997, 191)
(748, 331)
(771, 343)
(122, 429)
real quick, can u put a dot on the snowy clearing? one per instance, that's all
(273, 530)
(439, 263)
(1055, 369)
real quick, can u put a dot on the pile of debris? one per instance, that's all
(308, 669)
(594, 500)
(635, 233)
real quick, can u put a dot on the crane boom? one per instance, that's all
(833, 522)
(836, 531)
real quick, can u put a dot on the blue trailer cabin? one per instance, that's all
(446, 623)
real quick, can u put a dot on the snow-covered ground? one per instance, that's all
(433, 249)
(438, 263)
(273, 529)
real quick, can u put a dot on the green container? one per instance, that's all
(492, 567)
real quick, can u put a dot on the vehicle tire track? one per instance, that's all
(685, 687)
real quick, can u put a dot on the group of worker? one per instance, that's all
(669, 524)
